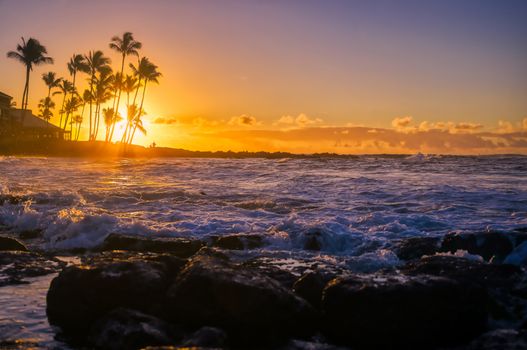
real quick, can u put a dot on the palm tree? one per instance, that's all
(97, 63)
(30, 53)
(78, 121)
(51, 81)
(149, 73)
(45, 106)
(76, 64)
(102, 94)
(71, 106)
(65, 88)
(126, 46)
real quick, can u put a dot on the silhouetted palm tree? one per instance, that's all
(65, 87)
(126, 46)
(97, 63)
(45, 106)
(30, 53)
(78, 121)
(51, 81)
(71, 106)
(76, 64)
(102, 94)
(147, 71)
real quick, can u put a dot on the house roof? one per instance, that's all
(5, 95)
(32, 121)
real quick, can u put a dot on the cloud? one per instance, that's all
(451, 127)
(362, 140)
(402, 122)
(302, 120)
(244, 120)
(524, 123)
(162, 120)
(505, 127)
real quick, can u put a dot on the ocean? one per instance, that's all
(357, 207)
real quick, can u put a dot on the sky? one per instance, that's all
(302, 76)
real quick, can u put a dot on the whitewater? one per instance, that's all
(357, 207)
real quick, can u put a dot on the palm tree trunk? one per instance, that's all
(91, 98)
(140, 112)
(26, 89)
(62, 109)
(72, 92)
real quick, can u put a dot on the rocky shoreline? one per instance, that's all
(462, 291)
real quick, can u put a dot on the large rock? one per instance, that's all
(500, 339)
(182, 247)
(403, 312)
(8, 243)
(207, 337)
(465, 270)
(492, 246)
(311, 285)
(248, 305)
(130, 329)
(80, 295)
(416, 247)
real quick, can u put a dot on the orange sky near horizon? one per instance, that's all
(301, 76)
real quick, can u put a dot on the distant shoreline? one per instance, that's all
(100, 149)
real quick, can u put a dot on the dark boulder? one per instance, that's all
(80, 295)
(182, 247)
(239, 241)
(248, 305)
(296, 344)
(493, 245)
(465, 270)
(8, 243)
(403, 312)
(207, 337)
(500, 339)
(130, 329)
(17, 266)
(311, 285)
(416, 247)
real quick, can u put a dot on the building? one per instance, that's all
(22, 124)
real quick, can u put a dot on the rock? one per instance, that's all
(416, 247)
(130, 329)
(178, 246)
(500, 339)
(17, 266)
(465, 270)
(239, 241)
(311, 285)
(263, 266)
(374, 312)
(30, 234)
(492, 245)
(296, 344)
(207, 337)
(248, 305)
(8, 243)
(80, 295)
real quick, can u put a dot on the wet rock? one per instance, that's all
(416, 247)
(12, 199)
(403, 312)
(248, 305)
(311, 285)
(30, 234)
(308, 345)
(8, 243)
(492, 245)
(130, 329)
(80, 295)
(240, 241)
(178, 246)
(500, 339)
(262, 266)
(207, 337)
(17, 266)
(465, 270)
